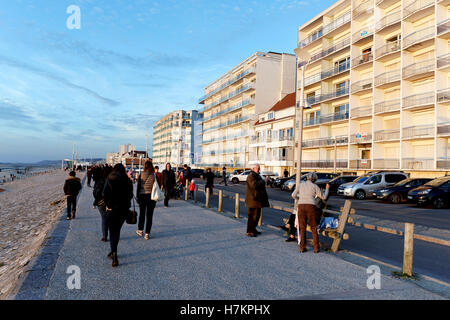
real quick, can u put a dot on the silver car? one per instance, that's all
(363, 188)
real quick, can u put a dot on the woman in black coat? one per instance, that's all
(117, 195)
(168, 183)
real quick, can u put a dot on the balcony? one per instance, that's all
(388, 20)
(443, 163)
(387, 49)
(229, 109)
(361, 164)
(443, 29)
(388, 106)
(327, 96)
(242, 89)
(417, 9)
(415, 132)
(361, 112)
(411, 41)
(310, 164)
(386, 164)
(443, 96)
(419, 70)
(326, 74)
(227, 83)
(333, 117)
(335, 24)
(443, 129)
(311, 122)
(443, 62)
(279, 142)
(362, 59)
(363, 9)
(330, 50)
(387, 135)
(228, 123)
(359, 138)
(363, 33)
(419, 101)
(325, 142)
(387, 79)
(362, 86)
(418, 163)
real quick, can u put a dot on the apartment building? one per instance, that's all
(174, 138)
(233, 102)
(272, 142)
(377, 87)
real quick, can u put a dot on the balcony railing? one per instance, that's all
(337, 116)
(418, 131)
(443, 129)
(360, 138)
(360, 164)
(246, 87)
(386, 163)
(228, 123)
(229, 109)
(331, 49)
(365, 6)
(361, 59)
(387, 77)
(443, 26)
(419, 68)
(362, 33)
(389, 134)
(362, 85)
(311, 122)
(419, 36)
(415, 6)
(327, 96)
(388, 48)
(227, 83)
(443, 61)
(388, 20)
(326, 74)
(443, 163)
(387, 106)
(336, 23)
(361, 112)
(417, 163)
(420, 99)
(324, 163)
(443, 95)
(324, 142)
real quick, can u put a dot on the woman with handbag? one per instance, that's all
(144, 190)
(117, 195)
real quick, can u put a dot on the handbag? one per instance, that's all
(132, 215)
(157, 194)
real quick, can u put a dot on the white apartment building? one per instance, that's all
(272, 142)
(233, 102)
(173, 138)
(377, 85)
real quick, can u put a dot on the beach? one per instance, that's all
(29, 209)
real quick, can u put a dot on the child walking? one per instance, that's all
(192, 189)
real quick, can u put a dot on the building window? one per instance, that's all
(270, 116)
(342, 65)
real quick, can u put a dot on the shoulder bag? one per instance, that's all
(157, 194)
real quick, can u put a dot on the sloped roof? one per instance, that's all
(287, 102)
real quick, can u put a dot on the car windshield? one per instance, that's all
(437, 182)
(403, 182)
(362, 179)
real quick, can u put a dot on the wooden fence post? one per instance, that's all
(408, 249)
(220, 201)
(187, 190)
(236, 208)
(207, 197)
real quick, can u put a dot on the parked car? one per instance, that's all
(336, 182)
(197, 173)
(399, 191)
(361, 190)
(322, 178)
(436, 192)
(242, 177)
(278, 183)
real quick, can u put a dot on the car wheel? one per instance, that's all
(395, 198)
(235, 180)
(438, 203)
(360, 195)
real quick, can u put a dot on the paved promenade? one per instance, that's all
(195, 253)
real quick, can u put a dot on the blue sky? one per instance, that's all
(129, 64)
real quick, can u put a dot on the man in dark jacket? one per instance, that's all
(255, 198)
(209, 177)
(168, 183)
(224, 175)
(72, 187)
(187, 173)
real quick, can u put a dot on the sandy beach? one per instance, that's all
(27, 213)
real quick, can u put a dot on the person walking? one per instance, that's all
(192, 189)
(89, 176)
(224, 175)
(72, 187)
(158, 176)
(305, 195)
(187, 173)
(256, 198)
(99, 201)
(286, 173)
(117, 194)
(145, 183)
(168, 183)
(209, 177)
